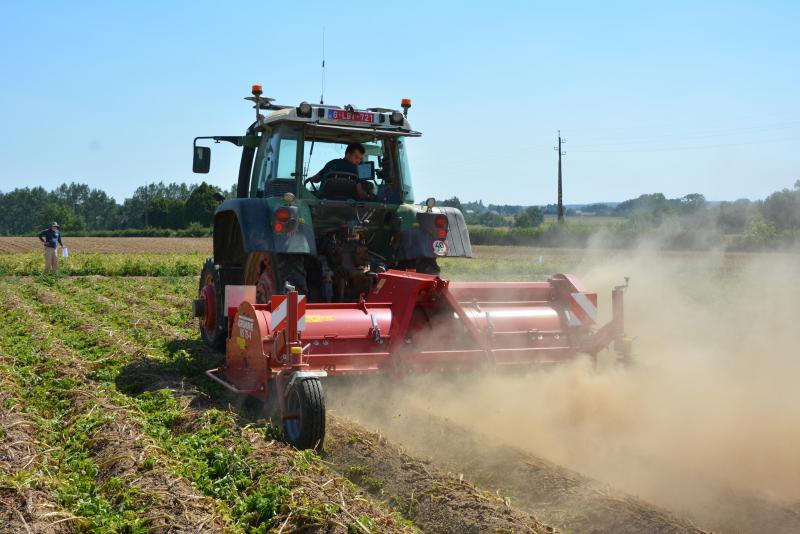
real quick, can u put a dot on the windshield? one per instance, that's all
(382, 154)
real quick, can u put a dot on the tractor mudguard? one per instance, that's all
(247, 222)
(422, 241)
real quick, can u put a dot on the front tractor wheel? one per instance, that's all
(304, 419)
(213, 328)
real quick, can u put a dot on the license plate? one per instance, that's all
(355, 116)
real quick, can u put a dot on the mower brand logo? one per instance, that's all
(319, 318)
(245, 325)
(439, 247)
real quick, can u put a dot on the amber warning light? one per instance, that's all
(405, 104)
(257, 90)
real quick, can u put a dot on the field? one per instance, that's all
(108, 423)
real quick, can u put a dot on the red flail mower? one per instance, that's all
(409, 323)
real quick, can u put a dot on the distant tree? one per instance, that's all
(782, 208)
(475, 207)
(650, 207)
(507, 210)
(733, 217)
(64, 215)
(166, 213)
(691, 203)
(490, 218)
(532, 216)
(452, 203)
(22, 211)
(201, 204)
(598, 209)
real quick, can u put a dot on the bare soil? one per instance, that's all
(553, 494)
(436, 501)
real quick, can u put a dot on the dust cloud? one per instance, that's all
(707, 421)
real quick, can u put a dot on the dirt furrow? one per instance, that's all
(436, 501)
(554, 494)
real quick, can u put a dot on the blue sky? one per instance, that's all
(677, 97)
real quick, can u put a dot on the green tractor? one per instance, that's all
(323, 203)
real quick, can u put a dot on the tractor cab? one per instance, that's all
(324, 203)
(296, 149)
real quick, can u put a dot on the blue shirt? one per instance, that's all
(50, 237)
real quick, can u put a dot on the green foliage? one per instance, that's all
(782, 208)
(733, 217)
(492, 219)
(81, 210)
(452, 203)
(201, 204)
(106, 264)
(598, 209)
(532, 216)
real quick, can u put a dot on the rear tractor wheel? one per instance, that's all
(209, 307)
(269, 272)
(304, 420)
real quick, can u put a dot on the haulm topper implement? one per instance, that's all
(310, 282)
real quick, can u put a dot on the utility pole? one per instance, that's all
(560, 187)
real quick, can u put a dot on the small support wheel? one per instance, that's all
(304, 419)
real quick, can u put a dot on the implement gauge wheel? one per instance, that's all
(304, 420)
(213, 328)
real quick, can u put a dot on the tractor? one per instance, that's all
(324, 266)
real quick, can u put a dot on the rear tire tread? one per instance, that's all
(312, 399)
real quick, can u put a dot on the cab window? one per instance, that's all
(287, 158)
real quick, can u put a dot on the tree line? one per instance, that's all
(176, 206)
(779, 212)
(79, 208)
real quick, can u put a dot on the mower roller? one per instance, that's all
(409, 323)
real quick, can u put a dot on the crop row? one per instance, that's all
(106, 264)
(122, 409)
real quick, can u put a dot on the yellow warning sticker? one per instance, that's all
(241, 342)
(319, 318)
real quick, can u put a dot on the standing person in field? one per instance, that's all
(51, 238)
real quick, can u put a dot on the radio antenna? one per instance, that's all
(322, 93)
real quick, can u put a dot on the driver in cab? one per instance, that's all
(347, 167)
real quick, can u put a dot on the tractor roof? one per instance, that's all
(382, 121)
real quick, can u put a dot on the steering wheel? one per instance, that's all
(313, 184)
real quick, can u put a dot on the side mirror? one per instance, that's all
(202, 159)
